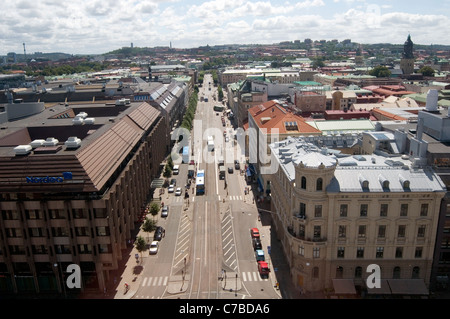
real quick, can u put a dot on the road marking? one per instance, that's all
(255, 276)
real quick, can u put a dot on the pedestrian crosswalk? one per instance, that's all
(252, 276)
(232, 197)
(154, 281)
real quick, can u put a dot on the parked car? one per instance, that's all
(165, 211)
(256, 242)
(173, 182)
(178, 191)
(154, 247)
(254, 232)
(159, 233)
(236, 164)
(259, 254)
(230, 170)
(263, 269)
(171, 189)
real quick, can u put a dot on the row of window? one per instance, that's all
(362, 231)
(364, 209)
(381, 233)
(379, 253)
(56, 232)
(58, 249)
(396, 273)
(32, 214)
(319, 183)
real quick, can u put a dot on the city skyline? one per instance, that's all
(96, 27)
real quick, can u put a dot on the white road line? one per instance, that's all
(160, 281)
(244, 277)
(144, 281)
(249, 276)
(255, 276)
(165, 281)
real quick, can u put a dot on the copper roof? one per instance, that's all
(101, 153)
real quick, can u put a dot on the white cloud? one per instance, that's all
(98, 26)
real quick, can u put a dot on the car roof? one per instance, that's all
(255, 229)
(263, 263)
(260, 252)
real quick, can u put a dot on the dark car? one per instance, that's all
(159, 233)
(173, 182)
(256, 243)
(230, 170)
(236, 164)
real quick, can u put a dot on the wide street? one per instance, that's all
(207, 251)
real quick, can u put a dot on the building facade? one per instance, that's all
(76, 203)
(336, 215)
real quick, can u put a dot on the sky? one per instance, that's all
(100, 26)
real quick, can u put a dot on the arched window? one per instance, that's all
(303, 182)
(339, 272)
(396, 273)
(415, 273)
(319, 184)
(358, 272)
(315, 272)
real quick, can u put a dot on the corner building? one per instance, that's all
(336, 214)
(76, 195)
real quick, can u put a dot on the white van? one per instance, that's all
(176, 169)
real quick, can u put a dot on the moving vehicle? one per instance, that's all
(230, 170)
(191, 170)
(222, 172)
(165, 211)
(176, 169)
(154, 248)
(254, 232)
(200, 182)
(186, 156)
(218, 108)
(210, 144)
(236, 164)
(263, 269)
(178, 191)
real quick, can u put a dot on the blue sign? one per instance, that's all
(49, 179)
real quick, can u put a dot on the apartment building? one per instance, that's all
(73, 180)
(336, 214)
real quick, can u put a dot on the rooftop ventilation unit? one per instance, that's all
(37, 143)
(23, 149)
(51, 141)
(78, 120)
(73, 142)
(89, 120)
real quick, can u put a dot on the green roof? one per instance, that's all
(307, 83)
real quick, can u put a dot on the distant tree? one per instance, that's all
(318, 63)
(427, 71)
(380, 71)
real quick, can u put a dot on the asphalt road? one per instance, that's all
(207, 247)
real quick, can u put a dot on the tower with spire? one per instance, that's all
(407, 61)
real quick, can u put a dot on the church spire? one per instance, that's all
(408, 48)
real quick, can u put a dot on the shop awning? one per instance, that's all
(157, 182)
(408, 286)
(344, 286)
(383, 290)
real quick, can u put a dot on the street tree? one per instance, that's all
(140, 244)
(149, 226)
